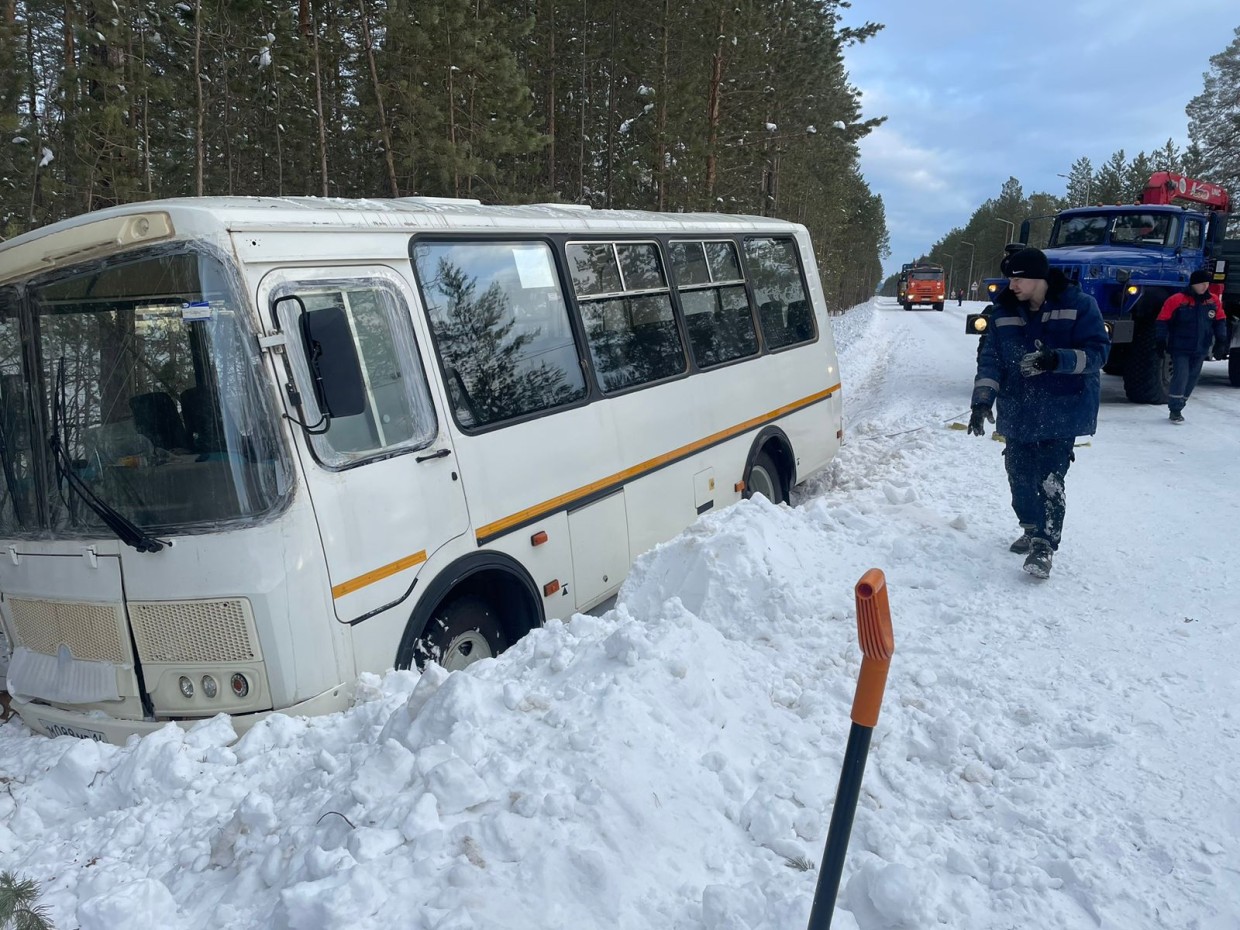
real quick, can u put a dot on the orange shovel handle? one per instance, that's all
(877, 646)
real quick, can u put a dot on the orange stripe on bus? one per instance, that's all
(563, 500)
(385, 571)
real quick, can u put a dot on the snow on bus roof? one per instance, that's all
(112, 229)
(381, 212)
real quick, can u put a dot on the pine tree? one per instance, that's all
(1080, 183)
(18, 907)
(1214, 118)
(1109, 182)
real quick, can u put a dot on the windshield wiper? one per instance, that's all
(125, 529)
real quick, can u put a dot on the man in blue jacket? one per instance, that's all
(1040, 359)
(1188, 325)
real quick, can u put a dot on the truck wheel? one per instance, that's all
(461, 632)
(939, 305)
(1233, 367)
(1117, 360)
(1147, 373)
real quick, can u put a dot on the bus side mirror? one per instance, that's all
(1024, 232)
(334, 367)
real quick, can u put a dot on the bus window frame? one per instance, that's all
(557, 242)
(499, 236)
(716, 286)
(678, 320)
(753, 297)
(292, 281)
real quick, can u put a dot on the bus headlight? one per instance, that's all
(186, 686)
(992, 288)
(209, 687)
(1132, 290)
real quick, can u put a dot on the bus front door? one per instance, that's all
(385, 483)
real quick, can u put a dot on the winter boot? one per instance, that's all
(1021, 545)
(1176, 417)
(1038, 561)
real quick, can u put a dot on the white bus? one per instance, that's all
(253, 447)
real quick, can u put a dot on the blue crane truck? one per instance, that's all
(1131, 258)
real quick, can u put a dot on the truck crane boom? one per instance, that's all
(1167, 187)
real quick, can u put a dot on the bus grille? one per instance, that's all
(93, 632)
(194, 631)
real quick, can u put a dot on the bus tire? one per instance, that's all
(1147, 372)
(461, 631)
(487, 592)
(1233, 367)
(764, 478)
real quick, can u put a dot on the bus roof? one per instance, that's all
(115, 228)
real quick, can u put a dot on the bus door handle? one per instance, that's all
(437, 454)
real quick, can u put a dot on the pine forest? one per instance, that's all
(734, 106)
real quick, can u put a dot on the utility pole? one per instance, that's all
(972, 249)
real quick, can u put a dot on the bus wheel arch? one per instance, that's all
(771, 452)
(478, 606)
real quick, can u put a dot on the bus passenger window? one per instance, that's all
(784, 309)
(712, 294)
(632, 334)
(501, 325)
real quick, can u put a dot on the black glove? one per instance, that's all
(981, 413)
(1160, 346)
(1221, 347)
(1035, 363)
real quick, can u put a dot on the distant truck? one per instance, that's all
(921, 283)
(1131, 258)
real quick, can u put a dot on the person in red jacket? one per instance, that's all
(1188, 324)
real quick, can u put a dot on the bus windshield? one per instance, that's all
(144, 371)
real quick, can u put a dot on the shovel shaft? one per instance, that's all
(841, 827)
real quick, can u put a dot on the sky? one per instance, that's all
(977, 91)
(1057, 754)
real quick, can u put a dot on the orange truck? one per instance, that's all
(921, 283)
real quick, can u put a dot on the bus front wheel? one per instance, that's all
(764, 478)
(460, 633)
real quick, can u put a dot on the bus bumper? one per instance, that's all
(56, 721)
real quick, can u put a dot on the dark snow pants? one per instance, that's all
(1036, 473)
(1185, 370)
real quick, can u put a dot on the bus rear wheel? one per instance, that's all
(461, 632)
(765, 478)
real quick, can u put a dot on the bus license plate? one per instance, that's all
(60, 729)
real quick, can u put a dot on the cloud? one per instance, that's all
(975, 96)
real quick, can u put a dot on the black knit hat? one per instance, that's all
(1027, 263)
(1200, 276)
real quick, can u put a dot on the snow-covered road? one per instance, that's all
(1054, 755)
